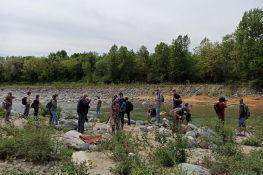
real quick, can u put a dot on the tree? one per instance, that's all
(142, 63)
(112, 63)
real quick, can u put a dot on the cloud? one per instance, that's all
(37, 28)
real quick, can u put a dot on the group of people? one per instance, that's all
(121, 106)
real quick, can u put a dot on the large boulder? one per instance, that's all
(70, 125)
(164, 132)
(58, 127)
(193, 127)
(190, 169)
(190, 142)
(190, 133)
(72, 139)
(80, 157)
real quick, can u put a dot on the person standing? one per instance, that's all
(158, 103)
(98, 102)
(177, 100)
(36, 104)
(115, 115)
(8, 105)
(241, 118)
(121, 100)
(129, 108)
(27, 106)
(54, 109)
(222, 106)
(82, 112)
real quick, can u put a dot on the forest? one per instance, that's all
(237, 59)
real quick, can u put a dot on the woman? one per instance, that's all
(36, 104)
(54, 108)
(115, 114)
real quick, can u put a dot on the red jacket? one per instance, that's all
(222, 107)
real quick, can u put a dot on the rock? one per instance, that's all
(146, 123)
(70, 124)
(92, 120)
(58, 127)
(196, 154)
(72, 139)
(80, 157)
(62, 121)
(103, 130)
(190, 137)
(139, 123)
(153, 119)
(125, 120)
(190, 143)
(193, 127)
(92, 147)
(84, 146)
(87, 126)
(164, 132)
(188, 129)
(190, 169)
(204, 145)
(143, 129)
(190, 133)
(133, 122)
(207, 133)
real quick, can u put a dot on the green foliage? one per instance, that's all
(229, 92)
(2, 112)
(33, 142)
(43, 110)
(70, 115)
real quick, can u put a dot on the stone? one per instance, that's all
(58, 127)
(92, 120)
(87, 126)
(80, 157)
(103, 130)
(188, 129)
(71, 139)
(190, 133)
(164, 132)
(143, 129)
(139, 123)
(133, 122)
(84, 146)
(196, 154)
(190, 143)
(193, 127)
(92, 147)
(70, 125)
(190, 169)
(62, 121)
(190, 137)
(204, 145)
(153, 119)
(146, 123)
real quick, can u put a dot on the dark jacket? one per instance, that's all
(82, 106)
(241, 111)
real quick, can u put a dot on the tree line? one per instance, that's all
(237, 59)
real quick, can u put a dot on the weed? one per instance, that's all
(199, 93)
(70, 115)
(2, 88)
(229, 93)
(2, 112)
(43, 110)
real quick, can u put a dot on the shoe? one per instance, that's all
(239, 135)
(243, 135)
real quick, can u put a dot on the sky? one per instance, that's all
(38, 27)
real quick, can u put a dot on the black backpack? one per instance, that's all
(49, 104)
(161, 97)
(217, 107)
(130, 106)
(153, 111)
(24, 101)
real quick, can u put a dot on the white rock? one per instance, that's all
(72, 139)
(190, 169)
(80, 157)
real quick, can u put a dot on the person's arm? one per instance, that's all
(176, 115)
(54, 104)
(180, 99)
(7, 101)
(13, 97)
(241, 111)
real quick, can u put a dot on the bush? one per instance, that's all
(229, 93)
(2, 112)
(43, 111)
(70, 115)
(33, 142)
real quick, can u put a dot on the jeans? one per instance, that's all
(55, 117)
(26, 112)
(81, 122)
(36, 111)
(7, 112)
(98, 112)
(158, 112)
(129, 118)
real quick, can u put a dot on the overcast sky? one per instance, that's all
(38, 27)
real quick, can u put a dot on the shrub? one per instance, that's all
(43, 111)
(2, 112)
(70, 115)
(229, 93)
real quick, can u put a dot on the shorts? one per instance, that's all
(242, 122)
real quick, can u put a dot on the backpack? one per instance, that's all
(24, 101)
(217, 107)
(130, 106)
(99, 104)
(153, 111)
(118, 107)
(123, 106)
(247, 112)
(49, 104)
(161, 98)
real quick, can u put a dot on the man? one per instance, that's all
(178, 117)
(151, 113)
(129, 108)
(115, 115)
(158, 103)
(241, 118)
(82, 112)
(98, 102)
(27, 106)
(8, 106)
(222, 106)
(120, 101)
(177, 100)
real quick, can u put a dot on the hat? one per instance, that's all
(156, 89)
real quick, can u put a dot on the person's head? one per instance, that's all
(55, 97)
(150, 106)
(120, 95)
(114, 97)
(10, 93)
(222, 99)
(85, 95)
(157, 91)
(98, 97)
(240, 101)
(37, 96)
(186, 105)
(174, 91)
(29, 93)
(126, 98)
(184, 109)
